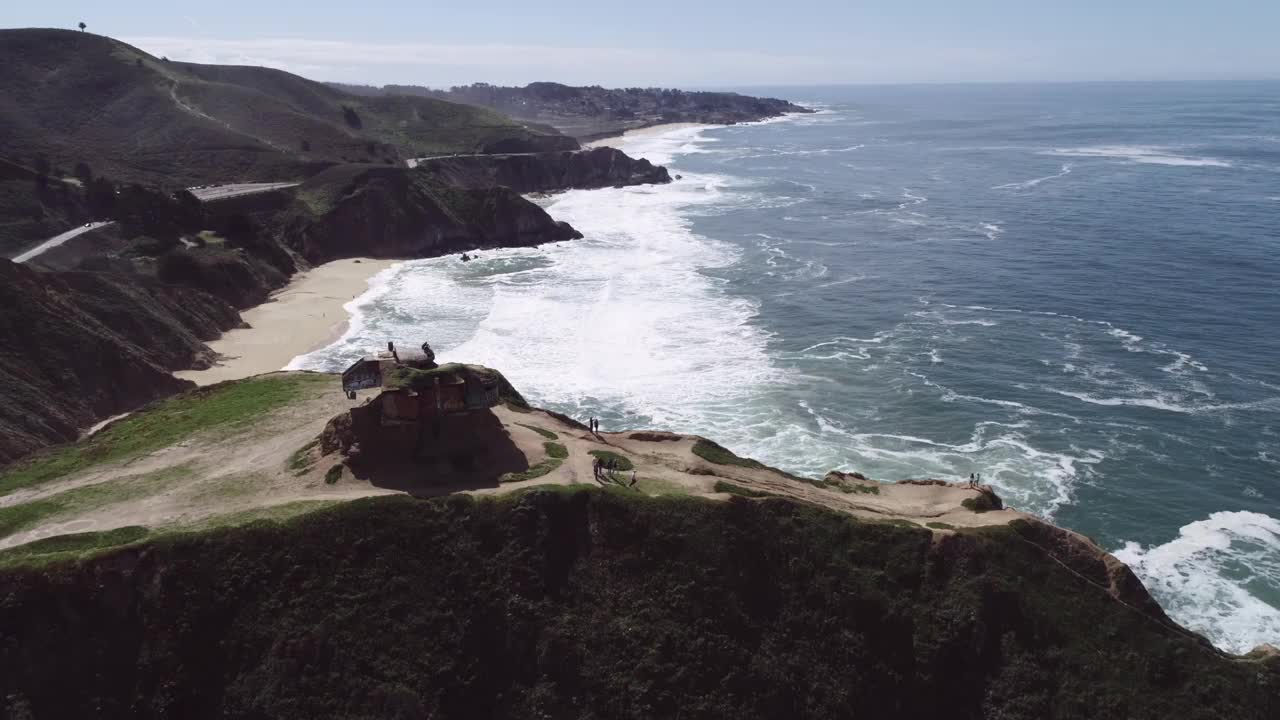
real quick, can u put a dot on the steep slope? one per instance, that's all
(547, 172)
(75, 97)
(595, 604)
(35, 208)
(77, 347)
(354, 211)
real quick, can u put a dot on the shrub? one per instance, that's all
(982, 502)
(544, 433)
(724, 487)
(556, 450)
(718, 454)
(620, 462)
(534, 471)
(333, 475)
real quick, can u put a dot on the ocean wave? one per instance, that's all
(1213, 577)
(1027, 185)
(1143, 154)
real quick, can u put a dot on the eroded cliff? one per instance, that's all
(365, 211)
(76, 347)
(597, 604)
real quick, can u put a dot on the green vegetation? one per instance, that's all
(620, 462)
(555, 450)
(898, 522)
(718, 454)
(216, 122)
(733, 489)
(63, 547)
(218, 409)
(568, 603)
(303, 458)
(544, 433)
(415, 378)
(333, 475)
(534, 471)
(656, 486)
(270, 513)
(982, 502)
(23, 516)
(862, 489)
(940, 526)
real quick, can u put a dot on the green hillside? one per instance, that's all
(73, 97)
(563, 604)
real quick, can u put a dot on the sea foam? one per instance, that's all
(1214, 576)
(1144, 154)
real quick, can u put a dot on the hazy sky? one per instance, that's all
(697, 42)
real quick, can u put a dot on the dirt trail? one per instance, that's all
(203, 477)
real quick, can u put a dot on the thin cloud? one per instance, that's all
(442, 65)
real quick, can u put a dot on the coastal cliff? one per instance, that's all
(355, 211)
(76, 347)
(593, 604)
(588, 113)
(547, 172)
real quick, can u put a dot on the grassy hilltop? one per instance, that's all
(76, 97)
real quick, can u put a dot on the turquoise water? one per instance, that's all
(1073, 290)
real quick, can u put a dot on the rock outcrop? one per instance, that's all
(547, 172)
(78, 347)
(355, 211)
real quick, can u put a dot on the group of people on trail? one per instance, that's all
(605, 468)
(975, 480)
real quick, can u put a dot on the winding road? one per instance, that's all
(57, 240)
(203, 194)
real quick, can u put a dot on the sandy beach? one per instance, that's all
(305, 315)
(642, 132)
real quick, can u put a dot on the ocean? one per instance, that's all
(1072, 289)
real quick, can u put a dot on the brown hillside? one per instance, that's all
(77, 97)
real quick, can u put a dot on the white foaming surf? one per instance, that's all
(1143, 154)
(1215, 577)
(624, 321)
(1065, 171)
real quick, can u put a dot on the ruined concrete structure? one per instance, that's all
(424, 411)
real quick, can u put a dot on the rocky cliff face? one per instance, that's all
(590, 604)
(548, 172)
(78, 347)
(398, 212)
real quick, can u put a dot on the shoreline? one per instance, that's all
(643, 131)
(303, 316)
(602, 140)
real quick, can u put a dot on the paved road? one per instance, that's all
(204, 194)
(57, 240)
(220, 192)
(413, 162)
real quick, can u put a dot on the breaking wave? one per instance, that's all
(1219, 577)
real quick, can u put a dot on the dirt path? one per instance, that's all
(256, 469)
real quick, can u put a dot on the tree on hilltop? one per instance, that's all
(82, 26)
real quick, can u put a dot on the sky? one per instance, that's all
(697, 43)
